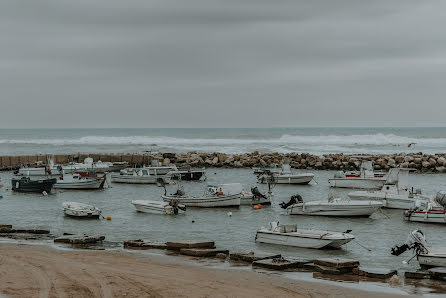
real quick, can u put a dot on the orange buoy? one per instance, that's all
(108, 217)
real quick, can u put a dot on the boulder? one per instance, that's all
(252, 256)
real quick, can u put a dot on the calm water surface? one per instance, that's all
(236, 233)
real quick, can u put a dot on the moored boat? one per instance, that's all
(25, 184)
(222, 195)
(188, 174)
(290, 235)
(394, 193)
(157, 207)
(76, 209)
(367, 179)
(331, 207)
(76, 181)
(255, 197)
(138, 176)
(434, 212)
(285, 176)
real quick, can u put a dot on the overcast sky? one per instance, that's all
(228, 63)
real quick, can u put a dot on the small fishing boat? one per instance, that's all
(76, 181)
(255, 197)
(290, 235)
(367, 178)
(394, 193)
(331, 207)
(76, 209)
(88, 164)
(25, 184)
(434, 212)
(426, 256)
(285, 176)
(157, 207)
(222, 195)
(138, 176)
(186, 173)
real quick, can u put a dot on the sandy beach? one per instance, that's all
(42, 271)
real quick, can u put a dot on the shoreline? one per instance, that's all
(29, 270)
(424, 163)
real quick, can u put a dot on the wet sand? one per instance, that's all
(42, 271)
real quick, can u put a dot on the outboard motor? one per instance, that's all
(256, 193)
(293, 200)
(415, 240)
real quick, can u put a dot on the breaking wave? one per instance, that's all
(337, 141)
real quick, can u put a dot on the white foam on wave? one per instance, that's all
(340, 140)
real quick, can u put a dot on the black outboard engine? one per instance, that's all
(415, 240)
(293, 200)
(256, 193)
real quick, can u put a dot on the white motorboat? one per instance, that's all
(76, 181)
(426, 256)
(138, 176)
(367, 179)
(285, 176)
(331, 207)
(81, 210)
(157, 207)
(222, 195)
(290, 235)
(88, 164)
(434, 212)
(394, 194)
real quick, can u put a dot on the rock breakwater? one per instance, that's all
(420, 162)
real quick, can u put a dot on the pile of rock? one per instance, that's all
(418, 161)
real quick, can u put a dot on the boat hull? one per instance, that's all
(334, 210)
(359, 183)
(207, 201)
(287, 179)
(247, 199)
(426, 217)
(427, 260)
(91, 184)
(155, 208)
(130, 179)
(390, 201)
(39, 186)
(303, 242)
(188, 175)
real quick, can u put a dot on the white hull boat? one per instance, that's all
(138, 176)
(289, 235)
(426, 216)
(75, 181)
(359, 183)
(222, 195)
(337, 207)
(394, 193)
(206, 201)
(255, 197)
(80, 210)
(367, 179)
(433, 257)
(434, 212)
(285, 176)
(157, 207)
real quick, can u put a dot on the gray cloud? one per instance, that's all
(221, 63)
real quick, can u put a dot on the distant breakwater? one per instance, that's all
(421, 162)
